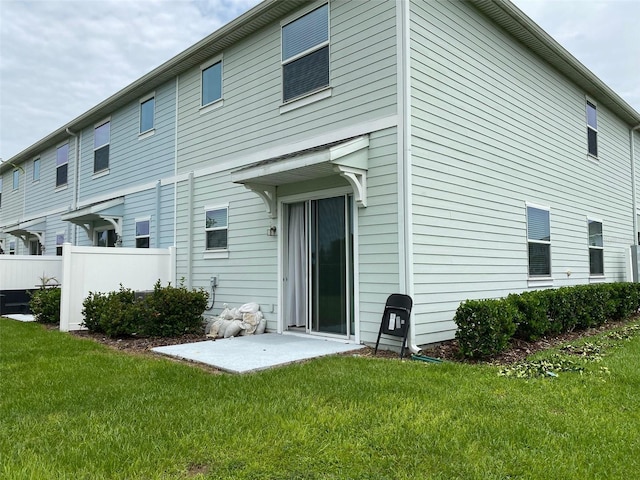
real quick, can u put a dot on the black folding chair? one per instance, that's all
(395, 319)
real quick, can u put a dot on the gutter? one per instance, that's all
(76, 163)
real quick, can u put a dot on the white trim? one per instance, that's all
(306, 99)
(215, 254)
(147, 133)
(537, 282)
(305, 52)
(148, 96)
(211, 106)
(594, 104)
(211, 62)
(538, 206)
(101, 173)
(61, 188)
(102, 122)
(298, 14)
(33, 170)
(207, 209)
(145, 99)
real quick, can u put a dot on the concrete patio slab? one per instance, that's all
(20, 317)
(257, 352)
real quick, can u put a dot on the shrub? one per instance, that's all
(534, 322)
(171, 311)
(45, 305)
(167, 311)
(485, 326)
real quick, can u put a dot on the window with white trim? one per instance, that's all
(596, 248)
(101, 140)
(539, 242)
(59, 242)
(62, 164)
(592, 129)
(147, 114)
(36, 169)
(16, 179)
(216, 228)
(12, 247)
(143, 239)
(305, 54)
(0, 190)
(211, 81)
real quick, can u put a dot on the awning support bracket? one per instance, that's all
(357, 178)
(268, 195)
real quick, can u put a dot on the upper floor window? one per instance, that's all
(142, 234)
(539, 242)
(36, 169)
(305, 54)
(211, 77)
(596, 248)
(59, 242)
(592, 129)
(62, 164)
(16, 179)
(216, 228)
(101, 139)
(147, 114)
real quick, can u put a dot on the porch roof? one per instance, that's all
(348, 158)
(36, 227)
(97, 211)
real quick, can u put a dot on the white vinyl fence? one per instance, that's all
(26, 272)
(101, 269)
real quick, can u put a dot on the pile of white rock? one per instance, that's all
(244, 320)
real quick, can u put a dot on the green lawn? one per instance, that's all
(73, 409)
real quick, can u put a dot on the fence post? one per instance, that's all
(65, 288)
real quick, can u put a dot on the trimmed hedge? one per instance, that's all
(166, 312)
(486, 326)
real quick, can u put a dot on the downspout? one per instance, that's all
(157, 222)
(189, 230)
(175, 180)
(405, 213)
(76, 170)
(633, 183)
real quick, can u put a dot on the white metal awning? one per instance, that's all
(347, 158)
(110, 211)
(31, 228)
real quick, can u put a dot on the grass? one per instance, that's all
(73, 409)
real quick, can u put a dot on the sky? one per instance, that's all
(59, 58)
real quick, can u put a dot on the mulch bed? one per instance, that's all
(517, 351)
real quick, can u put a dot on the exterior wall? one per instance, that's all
(494, 127)
(362, 78)
(133, 159)
(155, 204)
(249, 125)
(12, 208)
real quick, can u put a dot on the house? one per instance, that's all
(315, 157)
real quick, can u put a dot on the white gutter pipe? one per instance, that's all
(405, 215)
(633, 183)
(76, 169)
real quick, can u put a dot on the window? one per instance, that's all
(596, 248)
(16, 179)
(147, 114)
(305, 54)
(0, 190)
(59, 242)
(35, 248)
(142, 234)
(211, 83)
(216, 228)
(592, 129)
(101, 139)
(12, 247)
(36, 169)
(105, 238)
(539, 240)
(62, 162)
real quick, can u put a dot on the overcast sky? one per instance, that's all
(59, 58)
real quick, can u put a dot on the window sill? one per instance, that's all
(540, 282)
(211, 106)
(61, 188)
(101, 173)
(326, 92)
(215, 254)
(147, 134)
(593, 158)
(597, 279)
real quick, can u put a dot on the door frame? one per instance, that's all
(282, 228)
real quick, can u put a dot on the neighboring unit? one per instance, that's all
(315, 157)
